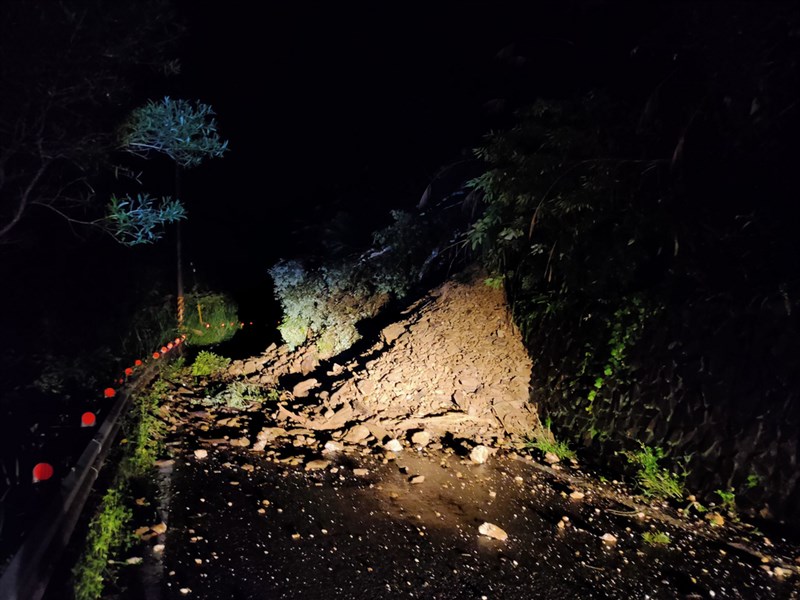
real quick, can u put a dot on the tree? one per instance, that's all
(184, 131)
(68, 71)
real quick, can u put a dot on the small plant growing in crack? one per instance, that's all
(656, 538)
(544, 441)
(655, 480)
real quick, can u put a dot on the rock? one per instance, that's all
(159, 528)
(551, 458)
(334, 420)
(479, 454)
(356, 434)
(360, 472)
(716, 519)
(421, 438)
(308, 364)
(366, 386)
(269, 434)
(200, 453)
(241, 442)
(158, 548)
(576, 495)
(331, 446)
(416, 479)
(141, 531)
(392, 332)
(378, 430)
(781, 573)
(302, 389)
(317, 465)
(469, 384)
(493, 531)
(250, 367)
(609, 539)
(393, 445)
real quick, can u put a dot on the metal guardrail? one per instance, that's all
(29, 571)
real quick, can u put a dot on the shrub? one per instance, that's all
(155, 323)
(325, 303)
(208, 364)
(210, 318)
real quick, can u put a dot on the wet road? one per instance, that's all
(244, 527)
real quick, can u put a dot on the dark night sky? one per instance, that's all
(335, 108)
(354, 109)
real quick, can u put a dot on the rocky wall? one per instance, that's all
(711, 383)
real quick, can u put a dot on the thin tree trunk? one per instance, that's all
(179, 254)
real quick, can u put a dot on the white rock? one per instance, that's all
(576, 495)
(393, 446)
(200, 453)
(479, 454)
(331, 446)
(360, 472)
(421, 438)
(493, 531)
(609, 539)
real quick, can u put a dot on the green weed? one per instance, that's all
(208, 364)
(656, 538)
(727, 500)
(108, 532)
(655, 481)
(753, 481)
(545, 442)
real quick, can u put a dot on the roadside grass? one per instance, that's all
(109, 529)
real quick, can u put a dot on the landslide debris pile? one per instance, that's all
(452, 367)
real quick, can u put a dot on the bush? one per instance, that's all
(155, 323)
(210, 318)
(208, 364)
(323, 304)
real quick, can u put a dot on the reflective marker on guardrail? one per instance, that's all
(42, 472)
(88, 419)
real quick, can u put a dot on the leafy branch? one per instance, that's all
(183, 130)
(137, 219)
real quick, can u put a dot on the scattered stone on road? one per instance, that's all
(493, 531)
(317, 465)
(200, 453)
